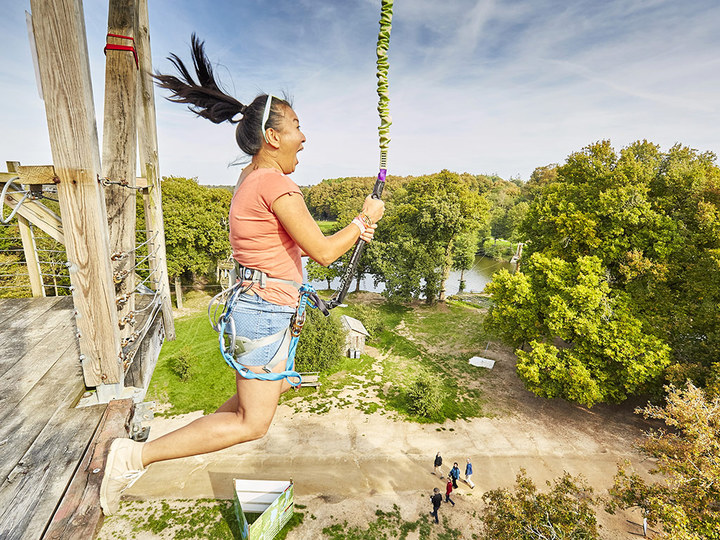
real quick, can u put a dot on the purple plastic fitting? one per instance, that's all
(382, 174)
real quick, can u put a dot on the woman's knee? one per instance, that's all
(251, 427)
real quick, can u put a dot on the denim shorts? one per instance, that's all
(256, 318)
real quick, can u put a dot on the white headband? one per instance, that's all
(266, 115)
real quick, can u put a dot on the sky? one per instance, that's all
(478, 86)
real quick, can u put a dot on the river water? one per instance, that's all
(475, 279)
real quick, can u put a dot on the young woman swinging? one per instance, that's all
(270, 229)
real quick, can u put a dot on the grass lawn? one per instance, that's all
(191, 374)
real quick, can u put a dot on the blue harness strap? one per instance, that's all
(308, 297)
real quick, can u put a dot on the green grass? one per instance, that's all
(211, 382)
(189, 519)
(380, 386)
(391, 526)
(327, 226)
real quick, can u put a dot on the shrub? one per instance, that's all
(182, 364)
(371, 319)
(425, 396)
(321, 342)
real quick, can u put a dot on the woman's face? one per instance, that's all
(291, 140)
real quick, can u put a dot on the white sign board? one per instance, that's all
(482, 362)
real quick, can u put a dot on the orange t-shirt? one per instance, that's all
(259, 240)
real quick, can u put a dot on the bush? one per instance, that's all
(425, 396)
(371, 319)
(321, 342)
(182, 364)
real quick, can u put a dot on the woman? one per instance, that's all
(270, 229)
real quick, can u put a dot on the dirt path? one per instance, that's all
(346, 464)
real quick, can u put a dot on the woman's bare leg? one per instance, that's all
(244, 417)
(231, 405)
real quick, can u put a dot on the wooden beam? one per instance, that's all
(38, 214)
(120, 149)
(28, 242)
(59, 28)
(79, 514)
(31, 258)
(150, 167)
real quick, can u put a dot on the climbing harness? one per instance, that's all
(234, 347)
(384, 134)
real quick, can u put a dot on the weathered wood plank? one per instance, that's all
(59, 29)
(30, 368)
(30, 495)
(9, 309)
(37, 174)
(150, 168)
(29, 326)
(120, 148)
(146, 354)
(60, 388)
(79, 514)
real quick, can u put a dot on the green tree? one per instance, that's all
(585, 345)
(426, 218)
(565, 512)
(651, 220)
(687, 500)
(318, 272)
(196, 235)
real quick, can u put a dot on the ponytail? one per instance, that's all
(206, 99)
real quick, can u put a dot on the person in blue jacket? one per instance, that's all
(468, 474)
(454, 474)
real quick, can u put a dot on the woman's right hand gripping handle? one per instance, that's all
(373, 208)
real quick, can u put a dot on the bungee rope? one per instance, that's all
(384, 133)
(223, 302)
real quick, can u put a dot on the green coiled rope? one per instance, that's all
(384, 132)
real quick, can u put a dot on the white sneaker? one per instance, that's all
(122, 469)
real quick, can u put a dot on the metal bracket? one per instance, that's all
(139, 430)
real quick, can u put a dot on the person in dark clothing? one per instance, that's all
(448, 491)
(436, 499)
(454, 474)
(438, 464)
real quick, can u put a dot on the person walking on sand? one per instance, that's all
(436, 499)
(270, 230)
(448, 491)
(454, 474)
(438, 465)
(468, 474)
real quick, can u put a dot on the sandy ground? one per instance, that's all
(346, 464)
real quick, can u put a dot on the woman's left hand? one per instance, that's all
(367, 236)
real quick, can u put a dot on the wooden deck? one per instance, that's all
(43, 438)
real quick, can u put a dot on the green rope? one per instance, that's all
(382, 75)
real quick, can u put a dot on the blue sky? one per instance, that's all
(476, 86)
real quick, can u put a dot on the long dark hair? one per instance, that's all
(207, 99)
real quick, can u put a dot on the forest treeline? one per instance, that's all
(619, 286)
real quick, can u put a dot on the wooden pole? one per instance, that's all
(29, 247)
(149, 168)
(120, 150)
(59, 28)
(31, 258)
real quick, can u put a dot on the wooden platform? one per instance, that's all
(43, 438)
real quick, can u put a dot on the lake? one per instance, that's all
(475, 279)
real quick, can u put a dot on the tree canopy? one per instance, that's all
(638, 234)
(687, 500)
(196, 231)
